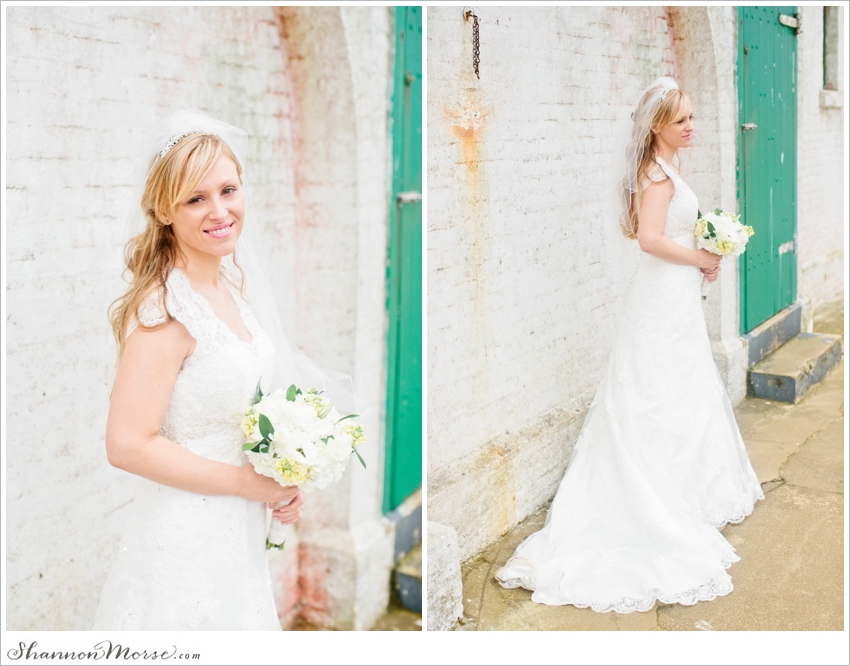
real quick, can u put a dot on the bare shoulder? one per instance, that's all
(167, 341)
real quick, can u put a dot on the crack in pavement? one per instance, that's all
(823, 427)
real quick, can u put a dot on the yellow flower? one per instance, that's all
(358, 436)
(249, 422)
(292, 472)
(316, 401)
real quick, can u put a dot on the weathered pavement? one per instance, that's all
(791, 573)
(397, 618)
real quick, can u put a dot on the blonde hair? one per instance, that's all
(151, 255)
(669, 111)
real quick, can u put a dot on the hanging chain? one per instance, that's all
(476, 53)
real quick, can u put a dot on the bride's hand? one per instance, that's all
(707, 260)
(291, 512)
(710, 274)
(259, 488)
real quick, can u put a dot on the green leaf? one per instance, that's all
(298, 392)
(327, 439)
(326, 410)
(250, 446)
(717, 211)
(360, 458)
(710, 228)
(699, 214)
(266, 427)
(291, 392)
(350, 416)
(258, 394)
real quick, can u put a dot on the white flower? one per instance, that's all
(722, 233)
(304, 449)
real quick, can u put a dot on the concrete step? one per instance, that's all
(788, 373)
(407, 521)
(772, 334)
(408, 579)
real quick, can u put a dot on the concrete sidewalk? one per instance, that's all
(791, 573)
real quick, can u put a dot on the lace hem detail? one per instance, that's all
(715, 587)
(706, 592)
(719, 517)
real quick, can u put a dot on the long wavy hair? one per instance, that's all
(152, 254)
(669, 111)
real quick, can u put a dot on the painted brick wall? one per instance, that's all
(84, 88)
(521, 302)
(820, 166)
(525, 276)
(85, 85)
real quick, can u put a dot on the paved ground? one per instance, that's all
(397, 618)
(791, 573)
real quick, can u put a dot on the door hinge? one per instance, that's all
(748, 126)
(792, 21)
(408, 197)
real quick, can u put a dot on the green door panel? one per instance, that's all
(403, 468)
(767, 161)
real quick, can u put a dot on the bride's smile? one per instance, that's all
(221, 231)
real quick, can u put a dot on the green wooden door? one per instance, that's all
(767, 161)
(403, 469)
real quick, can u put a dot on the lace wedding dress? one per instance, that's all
(189, 561)
(659, 464)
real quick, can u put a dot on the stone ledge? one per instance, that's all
(775, 332)
(789, 373)
(407, 519)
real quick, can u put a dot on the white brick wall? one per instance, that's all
(520, 304)
(820, 167)
(525, 275)
(525, 279)
(84, 87)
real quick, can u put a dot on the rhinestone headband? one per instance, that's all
(664, 94)
(176, 138)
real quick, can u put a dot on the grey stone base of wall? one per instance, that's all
(775, 332)
(476, 500)
(488, 493)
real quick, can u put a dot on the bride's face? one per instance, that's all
(678, 134)
(210, 219)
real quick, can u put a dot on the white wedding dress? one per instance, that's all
(659, 464)
(189, 561)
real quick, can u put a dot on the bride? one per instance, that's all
(659, 464)
(191, 354)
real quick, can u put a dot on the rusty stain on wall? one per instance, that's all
(468, 124)
(312, 583)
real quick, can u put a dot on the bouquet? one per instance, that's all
(298, 439)
(721, 233)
